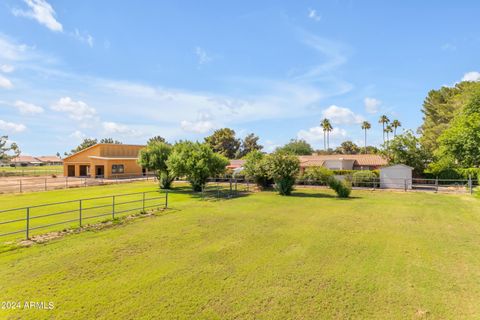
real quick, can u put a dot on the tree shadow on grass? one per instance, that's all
(320, 195)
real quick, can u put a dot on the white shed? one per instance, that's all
(398, 176)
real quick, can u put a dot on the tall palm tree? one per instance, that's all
(387, 130)
(327, 126)
(366, 126)
(324, 125)
(395, 125)
(383, 120)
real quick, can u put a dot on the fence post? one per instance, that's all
(470, 184)
(166, 199)
(405, 186)
(143, 202)
(28, 223)
(20, 185)
(113, 207)
(66, 182)
(80, 212)
(436, 184)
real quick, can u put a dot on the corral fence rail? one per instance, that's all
(19, 185)
(413, 184)
(29, 172)
(25, 220)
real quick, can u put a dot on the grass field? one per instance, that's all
(31, 171)
(379, 255)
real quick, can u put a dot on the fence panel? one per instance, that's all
(32, 220)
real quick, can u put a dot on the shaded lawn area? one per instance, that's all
(382, 255)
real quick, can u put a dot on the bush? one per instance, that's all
(317, 175)
(343, 172)
(364, 178)
(255, 168)
(341, 188)
(197, 162)
(282, 168)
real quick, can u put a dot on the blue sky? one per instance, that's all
(180, 69)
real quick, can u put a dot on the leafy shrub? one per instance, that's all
(343, 172)
(317, 175)
(255, 168)
(364, 178)
(342, 189)
(282, 167)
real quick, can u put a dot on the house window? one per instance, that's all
(117, 168)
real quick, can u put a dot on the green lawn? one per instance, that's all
(30, 171)
(380, 255)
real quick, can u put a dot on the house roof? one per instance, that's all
(26, 159)
(360, 159)
(103, 144)
(236, 164)
(398, 165)
(49, 159)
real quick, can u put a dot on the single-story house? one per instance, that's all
(104, 160)
(333, 162)
(25, 161)
(343, 161)
(50, 160)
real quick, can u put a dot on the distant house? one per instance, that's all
(50, 160)
(25, 161)
(333, 162)
(104, 160)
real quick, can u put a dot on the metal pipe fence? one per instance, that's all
(8, 185)
(74, 213)
(29, 172)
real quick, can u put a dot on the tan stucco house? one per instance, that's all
(104, 160)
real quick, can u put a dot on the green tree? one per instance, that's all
(384, 121)
(255, 168)
(197, 162)
(297, 147)
(249, 144)
(8, 151)
(366, 126)
(156, 139)
(317, 175)
(347, 147)
(406, 149)
(395, 125)
(110, 140)
(283, 168)
(461, 140)
(327, 128)
(388, 129)
(86, 143)
(223, 141)
(154, 157)
(440, 107)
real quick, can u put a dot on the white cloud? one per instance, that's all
(313, 14)
(471, 76)
(5, 83)
(41, 11)
(371, 104)
(77, 110)
(78, 135)
(27, 108)
(83, 37)
(202, 56)
(6, 68)
(11, 127)
(202, 125)
(339, 115)
(314, 136)
(117, 128)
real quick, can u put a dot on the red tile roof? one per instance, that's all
(49, 159)
(371, 160)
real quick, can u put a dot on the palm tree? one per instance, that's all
(366, 126)
(387, 130)
(395, 125)
(327, 127)
(324, 125)
(383, 120)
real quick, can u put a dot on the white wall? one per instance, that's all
(396, 177)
